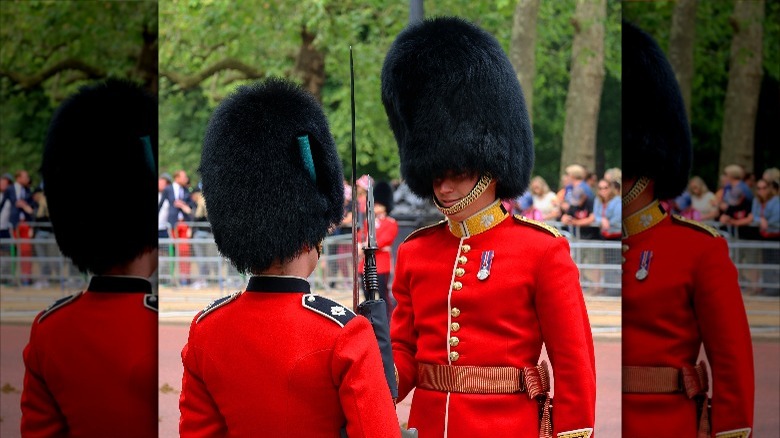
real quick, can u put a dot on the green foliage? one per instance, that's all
(37, 35)
(553, 63)
(712, 45)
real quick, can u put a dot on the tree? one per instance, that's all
(587, 79)
(50, 49)
(681, 47)
(744, 85)
(523, 48)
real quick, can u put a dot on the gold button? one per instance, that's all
(454, 326)
(624, 248)
(457, 285)
(455, 312)
(454, 356)
(462, 260)
(465, 248)
(454, 341)
(459, 272)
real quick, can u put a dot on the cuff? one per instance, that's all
(579, 433)
(736, 433)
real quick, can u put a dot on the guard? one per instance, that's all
(480, 292)
(277, 360)
(680, 287)
(91, 363)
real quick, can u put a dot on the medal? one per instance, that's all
(485, 264)
(644, 265)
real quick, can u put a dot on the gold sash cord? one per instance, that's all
(534, 381)
(691, 380)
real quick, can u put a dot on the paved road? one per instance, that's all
(173, 337)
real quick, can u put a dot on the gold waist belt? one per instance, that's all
(691, 380)
(534, 381)
(484, 380)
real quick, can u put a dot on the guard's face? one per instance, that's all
(453, 187)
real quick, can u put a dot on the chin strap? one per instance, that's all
(639, 186)
(475, 193)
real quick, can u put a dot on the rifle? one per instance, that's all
(375, 310)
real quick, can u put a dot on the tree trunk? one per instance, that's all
(739, 113)
(681, 48)
(310, 65)
(587, 79)
(522, 45)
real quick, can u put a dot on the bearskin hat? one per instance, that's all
(454, 104)
(383, 194)
(99, 171)
(656, 136)
(272, 178)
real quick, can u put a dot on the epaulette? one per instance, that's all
(537, 224)
(216, 304)
(415, 232)
(150, 302)
(328, 308)
(698, 226)
(62, 302)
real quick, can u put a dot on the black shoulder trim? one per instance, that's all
(150, 302)
(538, 225)
(328, 308)
(698, 226)
(62, 302)
(216, 304)
(427, 227)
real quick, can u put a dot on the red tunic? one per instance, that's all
(266, 363)
(531, 296)
(690, 296)
(91, 364)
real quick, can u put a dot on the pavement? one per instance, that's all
(18, 308)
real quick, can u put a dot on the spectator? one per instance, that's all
(607, 210)
(737, 197)
(524, 206)
(43, 232)
(544, 199)
(771, 174)
(614, 174)
(766, 209)
(407, 203)
(6, 228)
(702, 199)
(580, 201)
(202, 231)
(179, 213)
(683, 206)
(22, 213)
(164, 231)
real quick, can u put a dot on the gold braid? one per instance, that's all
(639, 186)
(475, 193)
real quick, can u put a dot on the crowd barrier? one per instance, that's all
(195, 263)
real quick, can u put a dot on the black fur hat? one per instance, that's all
(656, 137)
(100, 174)
(454, 103)
(268, 195)
(383, 194)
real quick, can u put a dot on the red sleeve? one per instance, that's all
(41, 416)
(385, 234)
(200, 416)
(717, 301)
(402, 332)
(563, 317)
(363, 391)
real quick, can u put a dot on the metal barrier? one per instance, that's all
(196, 264)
